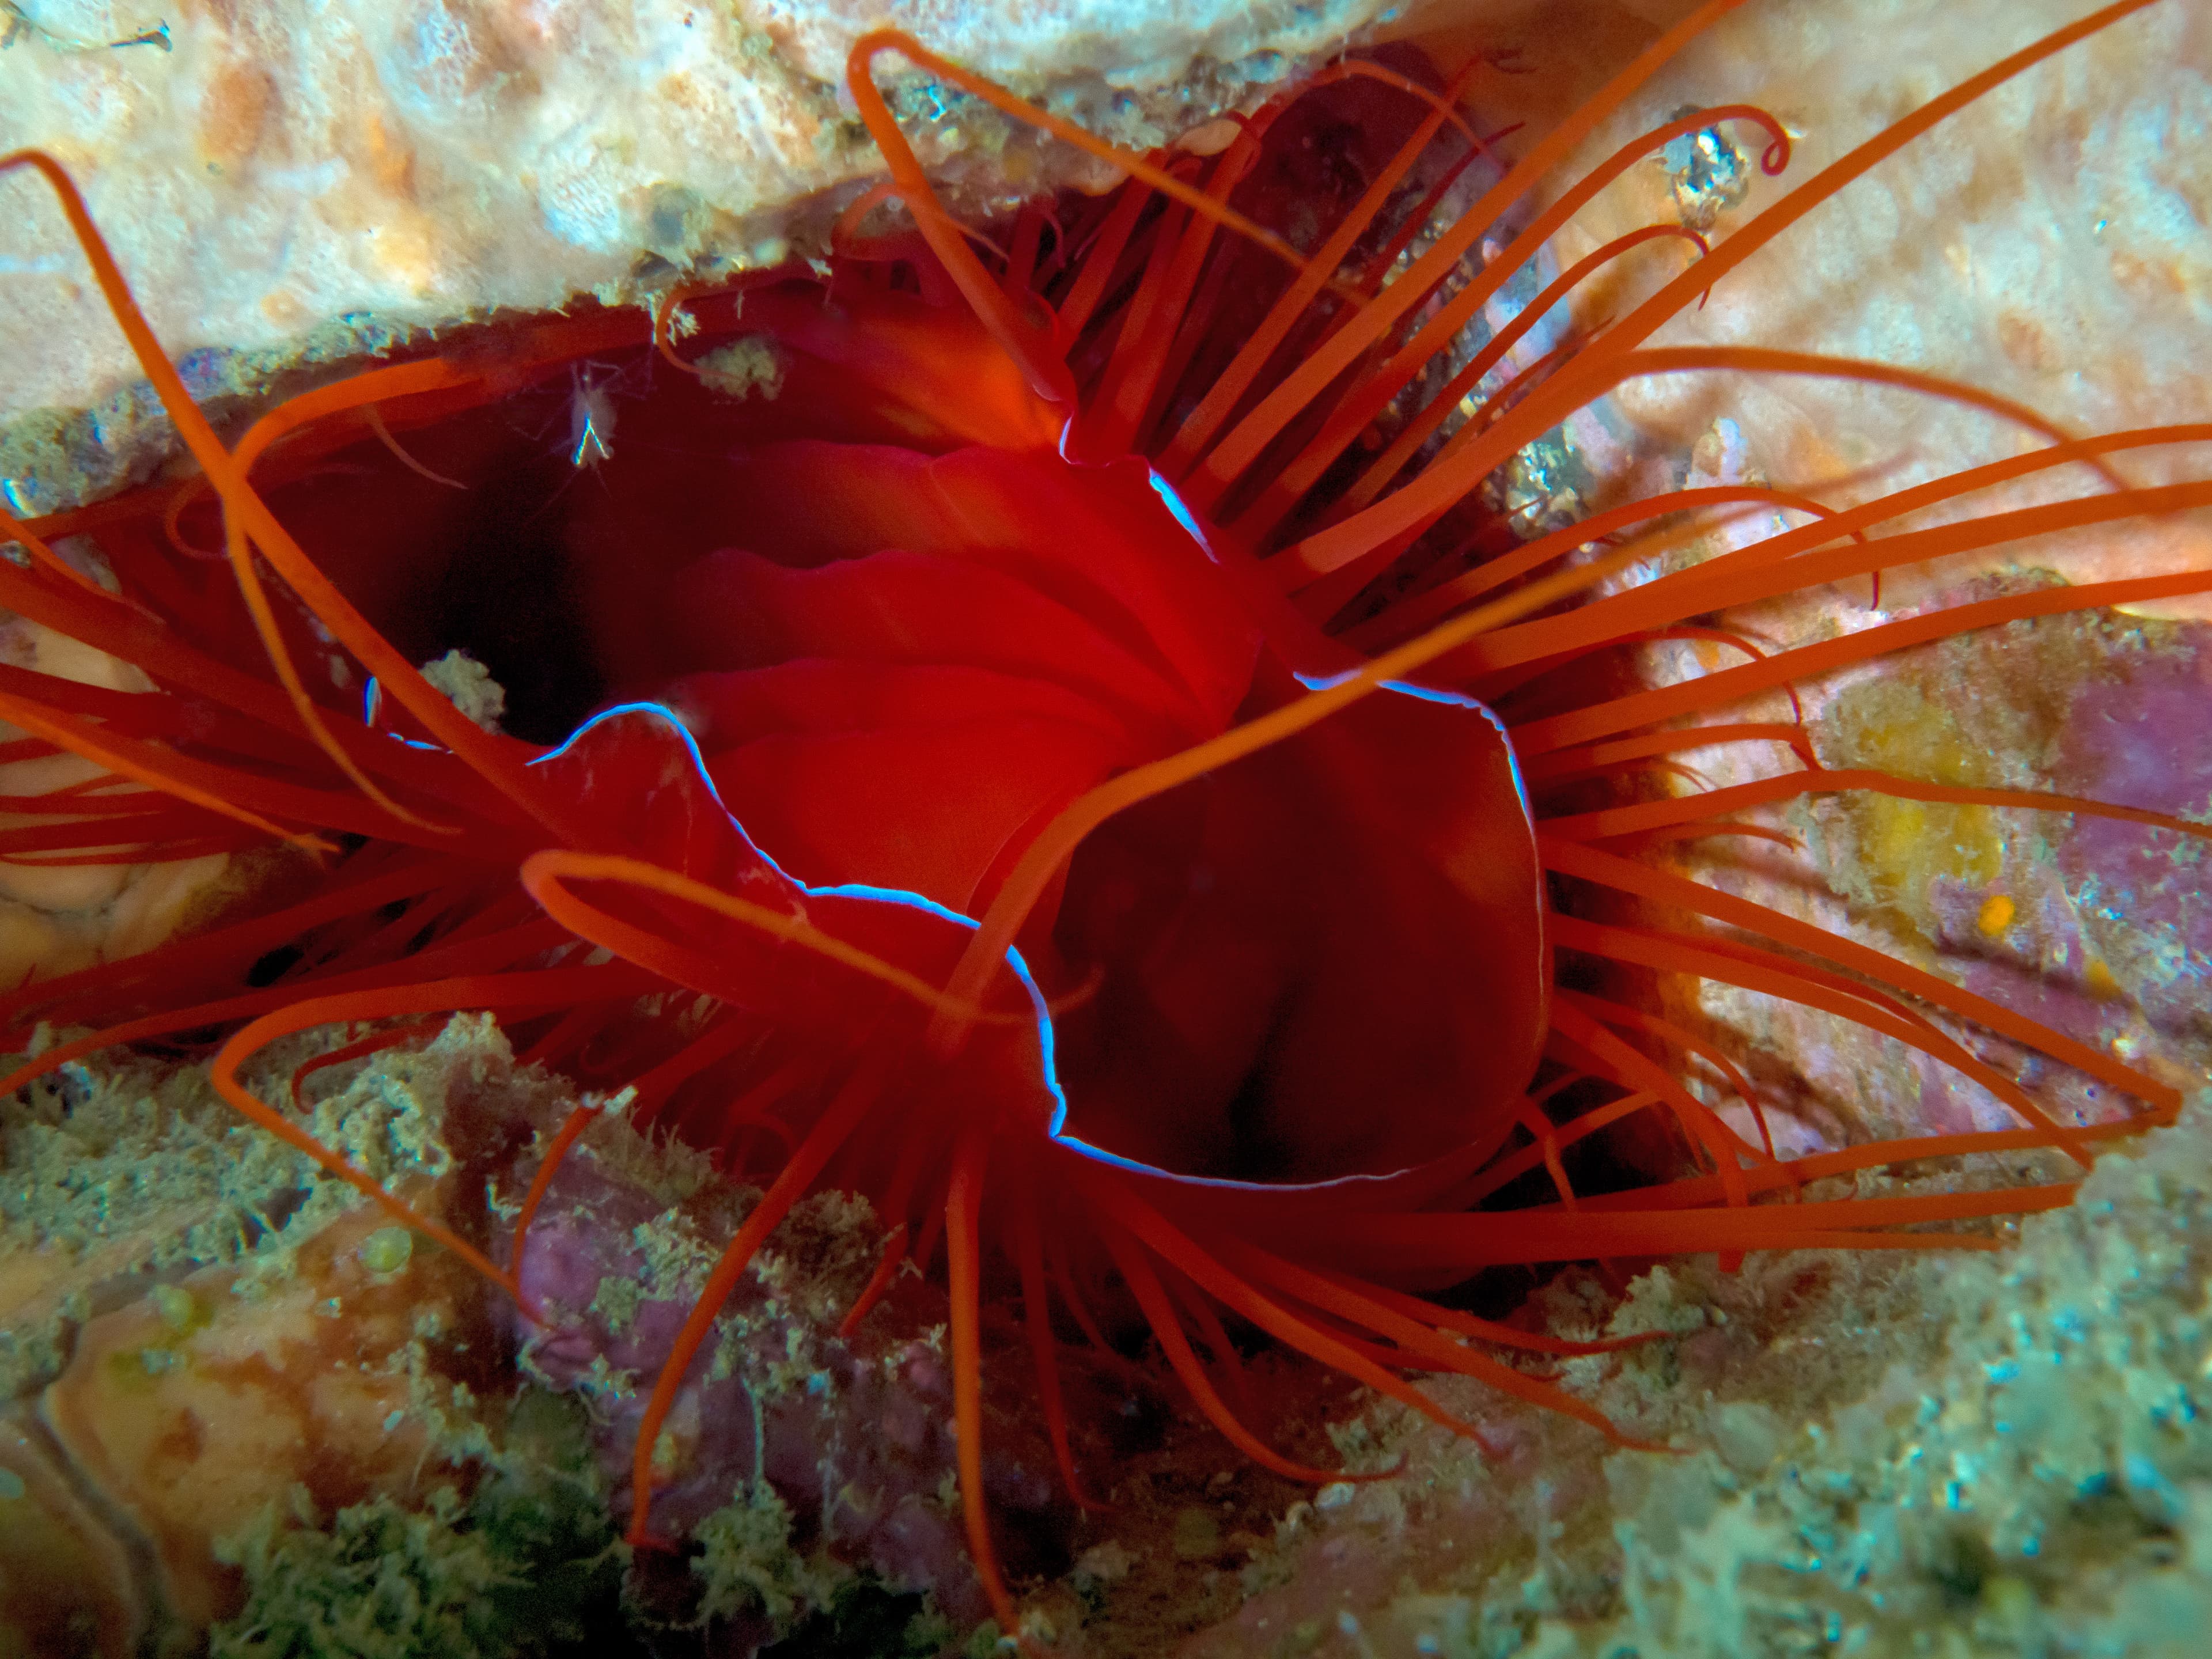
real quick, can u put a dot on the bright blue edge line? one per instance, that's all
(1046, 1039)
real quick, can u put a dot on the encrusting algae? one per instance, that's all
(855, 1460)
(298, 1364)
(2004, 1454)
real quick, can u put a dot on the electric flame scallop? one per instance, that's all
(1042, 726)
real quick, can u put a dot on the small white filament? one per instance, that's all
(590, 424)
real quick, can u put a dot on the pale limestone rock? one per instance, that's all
(1979, 1455)
(315, 1362)
(2051, 244)
(284, 179)
(55, 918)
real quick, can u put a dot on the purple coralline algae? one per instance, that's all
(845, 1441)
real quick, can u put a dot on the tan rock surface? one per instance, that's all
(65, 1583)
(55, 918)
(2051, 243)
(280, 178)
(195, 1410)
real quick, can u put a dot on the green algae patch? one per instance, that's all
(528, 1564)
(383, 1583)
(747, 1563)
(118, 1178)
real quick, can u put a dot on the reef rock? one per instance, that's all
(221, 1329)
(2046, 245)
(284, 181)
(65, 1581)
(1982, 1457)
(196, 1409)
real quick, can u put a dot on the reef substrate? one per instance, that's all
(1996, 1457)
(245, 1410)
(293, 184)
(1990, 1455)
(1878, 1454)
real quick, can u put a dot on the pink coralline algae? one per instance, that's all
(2108, 935)
(852, 1434)
(2144, 739)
